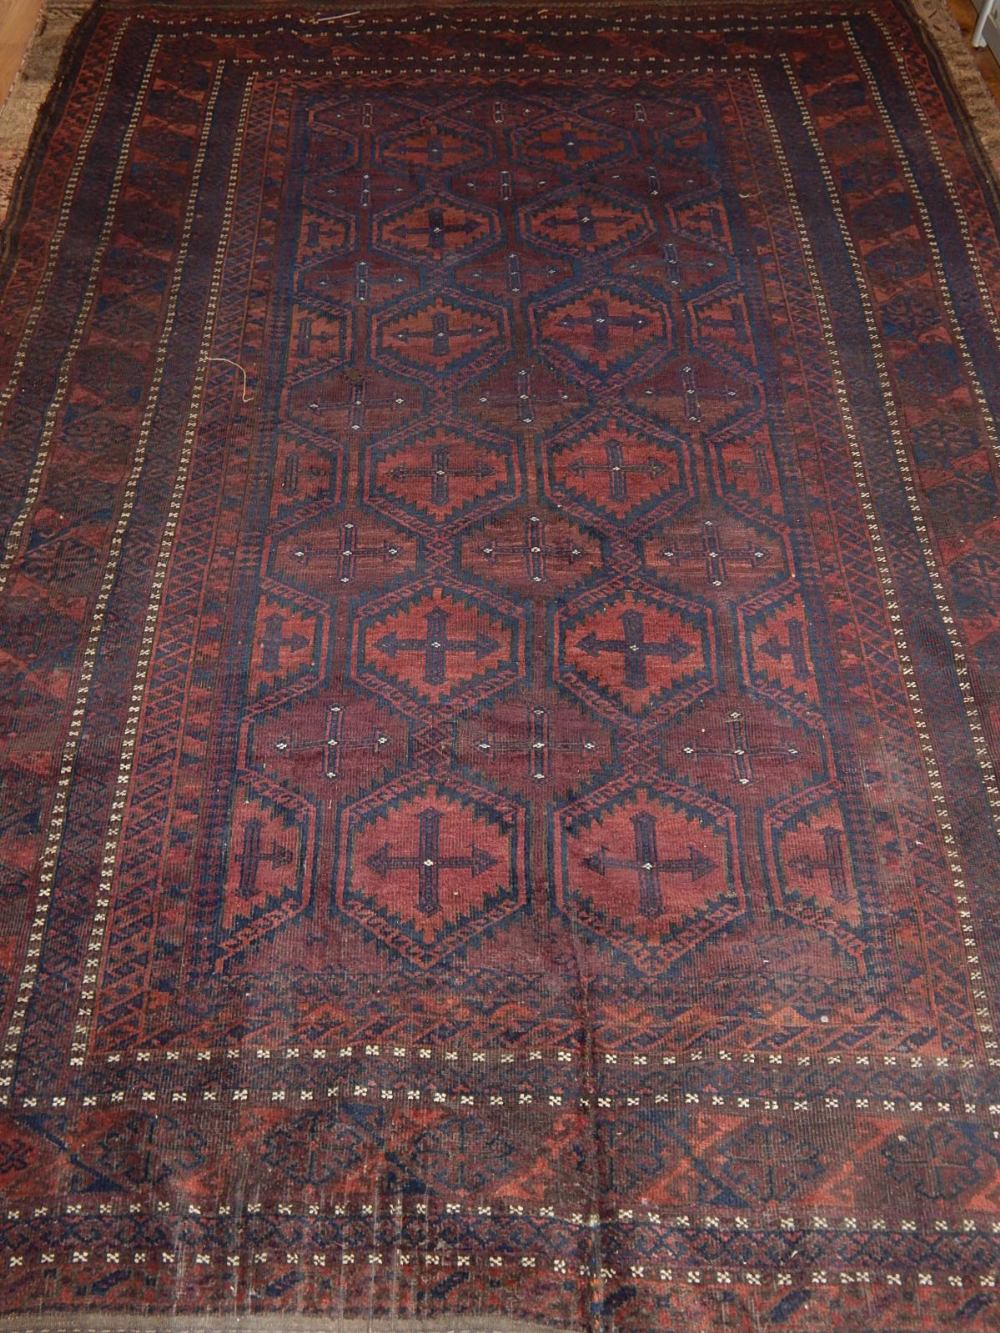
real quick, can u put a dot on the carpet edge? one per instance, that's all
(98, 1323)
(36, 78)
(970, 87)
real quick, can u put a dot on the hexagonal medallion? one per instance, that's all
(615, 469)
(438, 334)
(429, 868)
(434, 144)
(561, 140)
(601, 330)
(634, 652)
(585, 220)
(647, 873)
(438, 645)
(437, 227)
(434, 475)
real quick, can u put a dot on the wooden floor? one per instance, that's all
(19, 17)
(17, 22)
(963, 11)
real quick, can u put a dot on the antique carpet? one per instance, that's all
(499, 624)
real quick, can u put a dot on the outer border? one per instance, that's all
(971, 92)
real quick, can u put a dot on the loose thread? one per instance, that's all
(332, 18)
(247, 395)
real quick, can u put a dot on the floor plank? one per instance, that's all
(17, 23)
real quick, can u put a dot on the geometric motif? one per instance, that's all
(613, 468)
(436, 226)
(585, 220)
(437, 644)
(601, 330)
(569, 141)
(437, 143)
(435, 474)
(431, 867)
(446, 333)
(646, 873)
(635, 651)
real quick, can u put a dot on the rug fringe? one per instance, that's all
(32, 84)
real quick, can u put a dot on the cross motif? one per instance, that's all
(761, 468)
(635, 649)
(569, 145)
(429, 862)
(710, 551)
(833, 861)
(361, 401)
(437, 229)
(587, 221)
(526, 399)
(274, 640)
(436, 645)
(533, 550)
(538, 748)
(440, 333)
(351, 549)
(334, 744)
(794, 650)
(251, 857)
(740, 751)
(601, 323)
(440, 471)
(649, 866)
(617, 470)
(435, 146)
